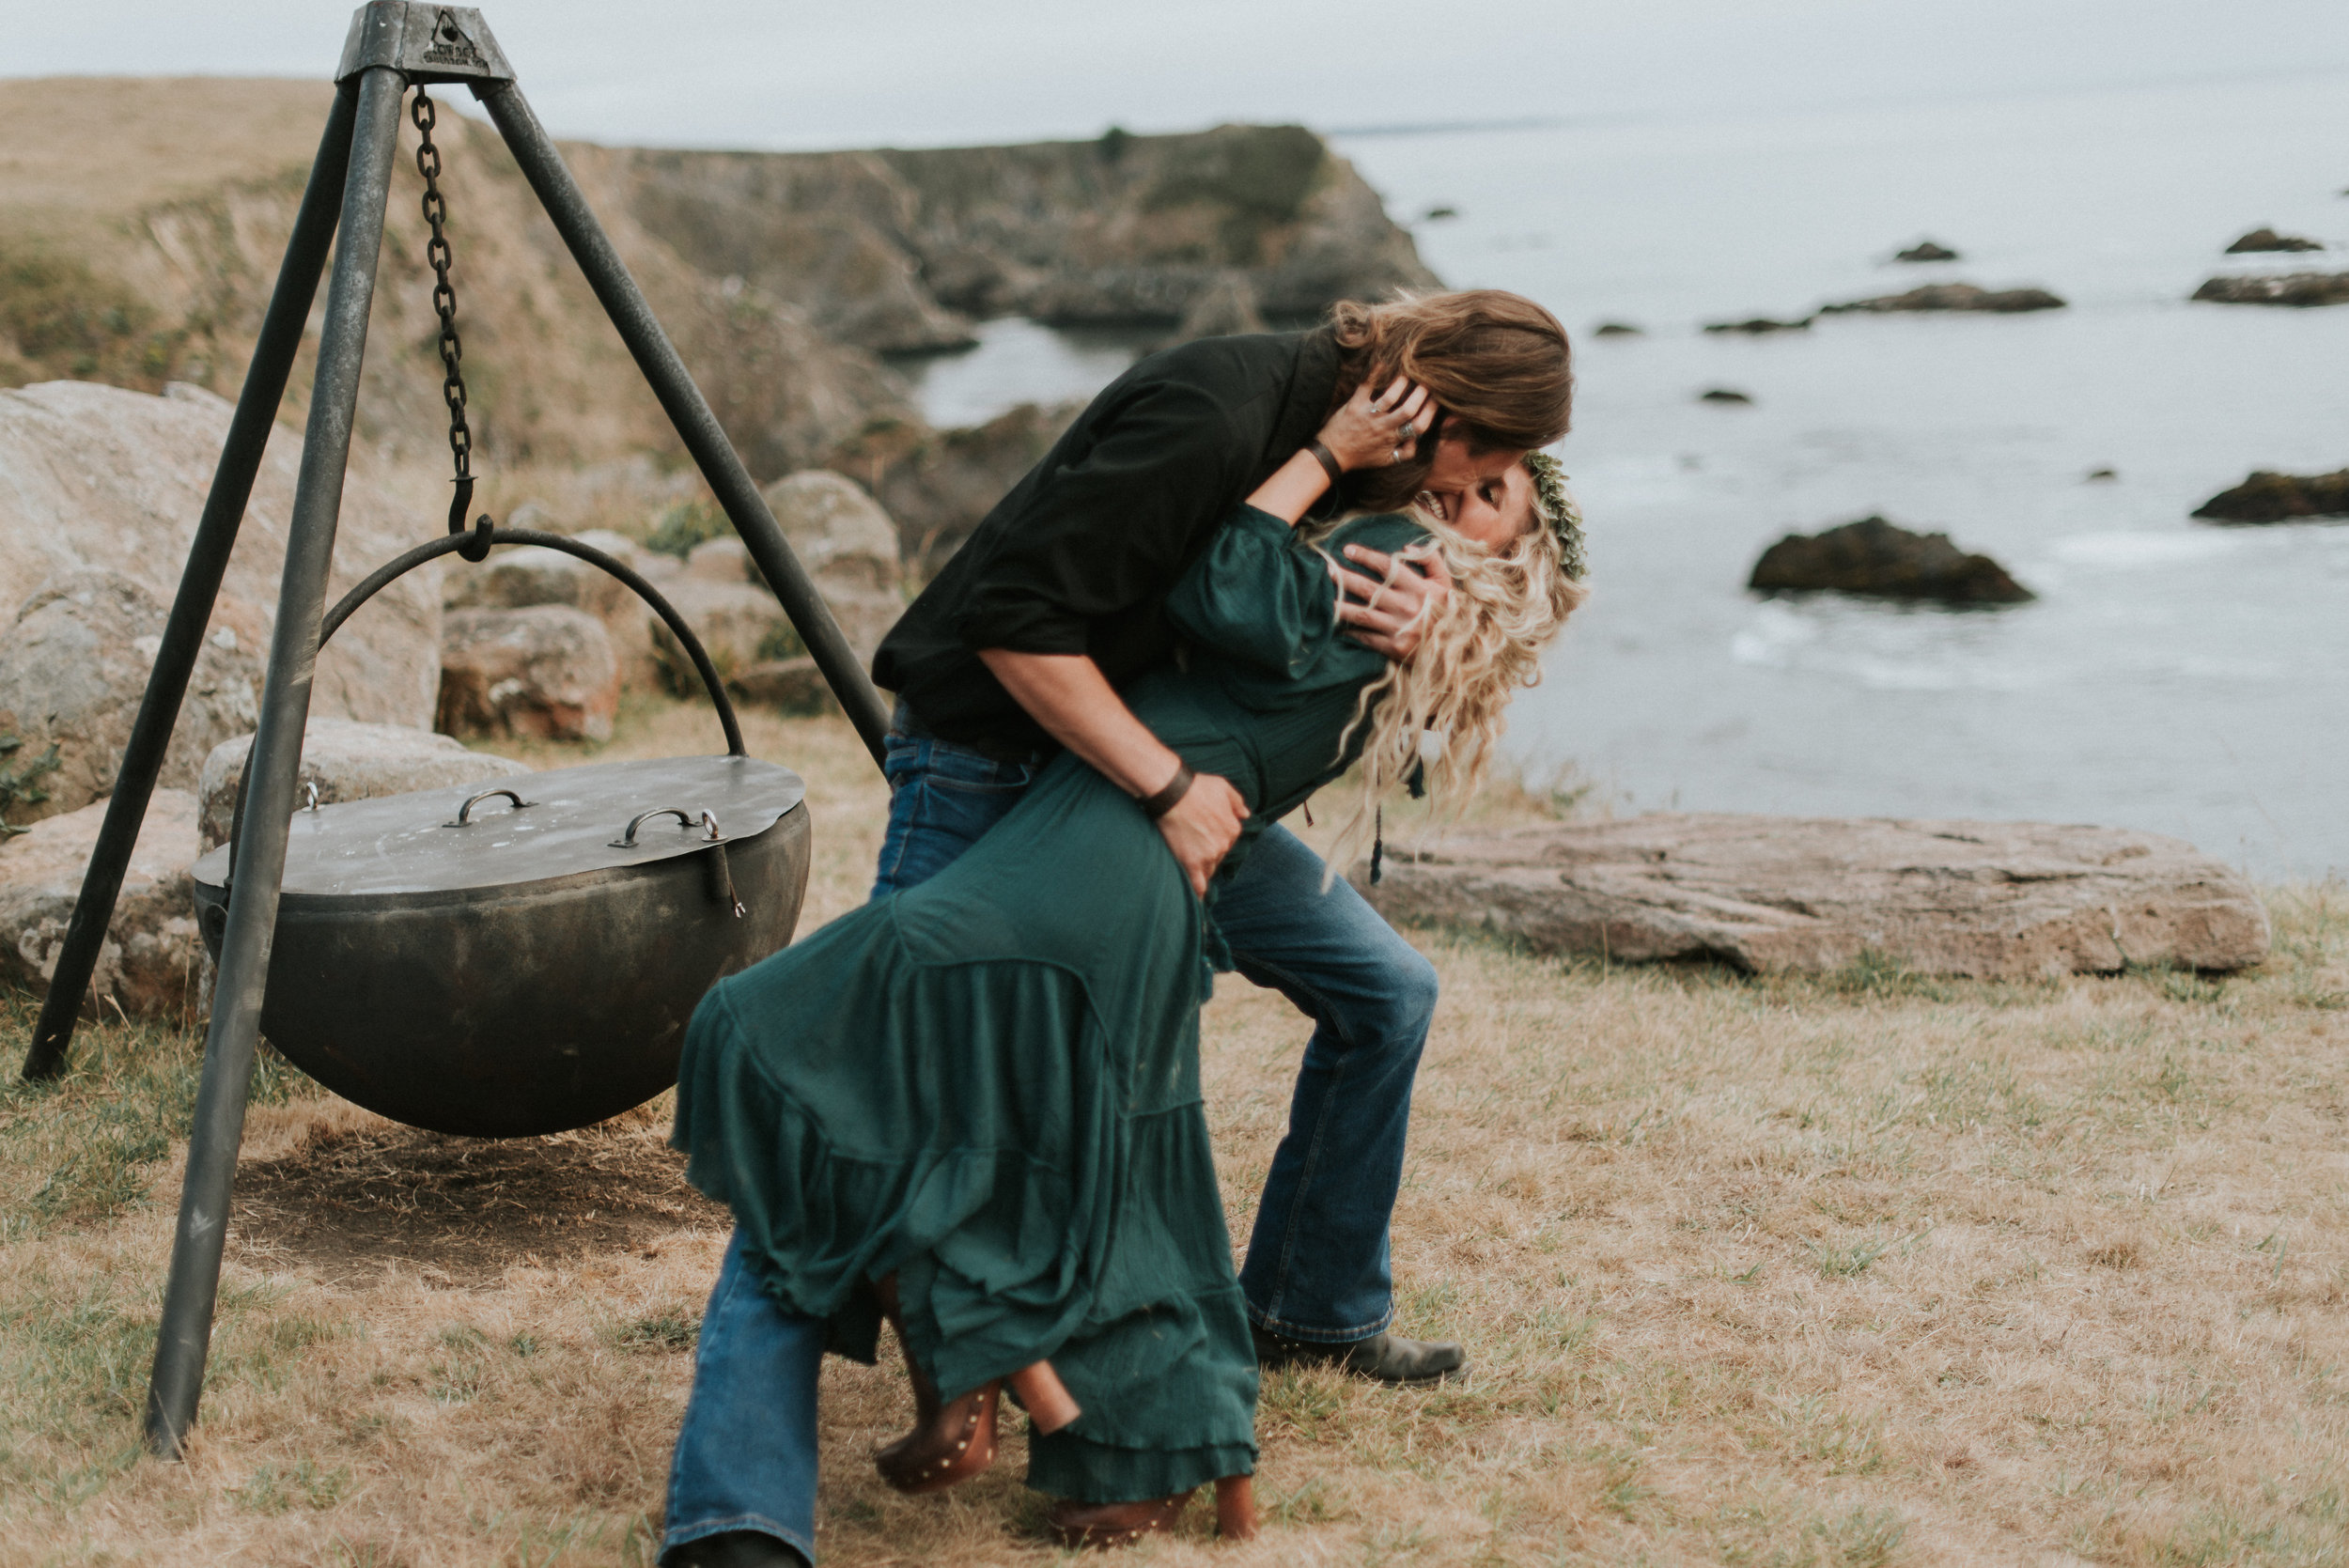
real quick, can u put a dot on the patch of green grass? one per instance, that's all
(665, 1332)
(274, 1489)
(81, 1146)
(1852, 1259)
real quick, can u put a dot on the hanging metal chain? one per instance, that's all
(436, 251)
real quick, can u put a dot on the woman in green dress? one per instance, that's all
(976, 1102)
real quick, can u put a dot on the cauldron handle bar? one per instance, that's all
(399, 566)
(464, 813)
(685, 818)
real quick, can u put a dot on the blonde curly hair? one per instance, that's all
(1479, 645)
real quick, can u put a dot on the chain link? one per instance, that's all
(436, 251)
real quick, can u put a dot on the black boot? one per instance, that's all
(1382, 1357)
(736, 1548)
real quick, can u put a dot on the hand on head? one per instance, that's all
(1381, 429)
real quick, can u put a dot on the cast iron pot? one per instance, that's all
(518, 959)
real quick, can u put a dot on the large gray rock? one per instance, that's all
(739, 623)
(1996, 900)
(150, 962)
(348, 761)
(939, 484)
(74, 667)
(547, 671)
(849, 545)
(785, 685)
(531, 575)
(724, 559)
(95, 478)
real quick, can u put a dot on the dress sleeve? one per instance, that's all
(1259, 594)
(1106, 531)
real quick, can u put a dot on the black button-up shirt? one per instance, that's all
(1079, 558)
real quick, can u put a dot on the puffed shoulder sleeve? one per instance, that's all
(1258, 595)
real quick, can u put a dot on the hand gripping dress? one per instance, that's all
(988, 1083)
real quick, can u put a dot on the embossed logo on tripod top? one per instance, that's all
(449, 45)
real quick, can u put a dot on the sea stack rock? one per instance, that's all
(1952, 296)
(2266, 497)
(2279, 289)
(1926, 250)
(1877, 559)
(1759, 326)
(1724, 395)
(2268, 239)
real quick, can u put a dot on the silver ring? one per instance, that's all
(1398, 456)
(1406, 435)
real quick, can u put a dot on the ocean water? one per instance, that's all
(2172, 675)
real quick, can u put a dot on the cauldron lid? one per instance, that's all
(406, 844)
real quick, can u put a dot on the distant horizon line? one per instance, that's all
(1372, 130)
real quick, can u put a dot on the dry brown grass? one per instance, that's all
(1844, 1272)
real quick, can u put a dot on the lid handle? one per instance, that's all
(706, 821)
(464, 813)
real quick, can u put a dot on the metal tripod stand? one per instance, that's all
(393, 45)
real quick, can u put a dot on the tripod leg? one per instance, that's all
(199, 586)
(185, 1338)
(657, 357)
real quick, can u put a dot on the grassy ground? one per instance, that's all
(1844, 1272)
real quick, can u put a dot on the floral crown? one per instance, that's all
(1558, 509)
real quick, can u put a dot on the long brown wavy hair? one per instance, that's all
(1496, 364)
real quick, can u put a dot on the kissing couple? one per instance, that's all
(972, 1108)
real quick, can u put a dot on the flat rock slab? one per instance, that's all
(1992, 900)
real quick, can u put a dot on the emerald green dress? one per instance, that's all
(988, 1083)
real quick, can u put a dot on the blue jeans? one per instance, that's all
(745, 1458)
(1317, 1267)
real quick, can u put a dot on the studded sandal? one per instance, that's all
(954, 1440)
(1105, 1524)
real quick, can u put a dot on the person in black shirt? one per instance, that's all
(1016, 649)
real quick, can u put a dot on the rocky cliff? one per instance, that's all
(898, 250)
(141, 222)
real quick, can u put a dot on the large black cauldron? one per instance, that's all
(455, 960)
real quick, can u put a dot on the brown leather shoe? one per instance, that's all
(1102, 1525)
(950, 1442)
(957, 1444)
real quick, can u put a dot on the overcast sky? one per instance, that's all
(783, 73)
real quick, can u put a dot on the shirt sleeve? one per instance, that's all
(1259, 594)
(1108, 532)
